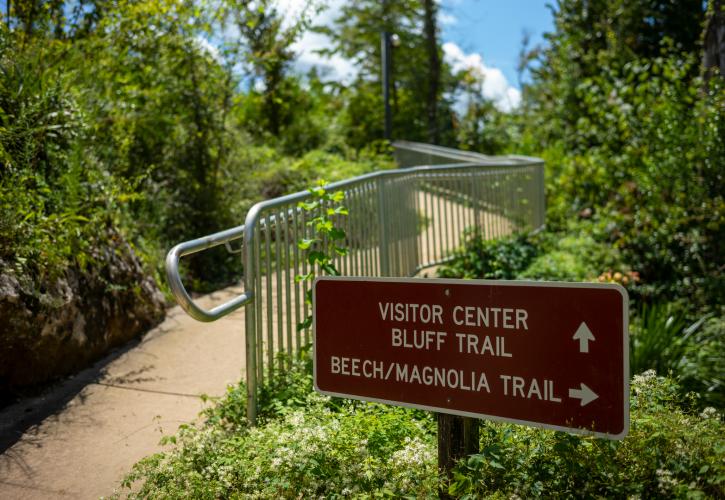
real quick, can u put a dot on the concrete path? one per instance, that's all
(102, 421)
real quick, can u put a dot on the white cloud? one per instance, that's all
(494, 84)
(334, 68)
(446, 19)
(207, 47)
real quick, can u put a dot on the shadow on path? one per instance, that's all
(18, 418)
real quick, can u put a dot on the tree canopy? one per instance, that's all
(164, 118)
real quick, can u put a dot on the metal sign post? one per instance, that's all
(550, 355)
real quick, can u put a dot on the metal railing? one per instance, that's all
(400, 222)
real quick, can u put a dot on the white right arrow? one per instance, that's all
(583, 335)
(585, 394)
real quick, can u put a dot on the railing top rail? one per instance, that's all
(457, 154)
(466, 161)
(302, 195)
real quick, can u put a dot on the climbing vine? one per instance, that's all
(327, 239)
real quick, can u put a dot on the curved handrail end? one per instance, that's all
(184, 299)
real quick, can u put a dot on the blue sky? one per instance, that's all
(493, 28)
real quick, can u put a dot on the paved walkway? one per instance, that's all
(95, 426)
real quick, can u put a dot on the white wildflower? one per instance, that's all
(644, 377)
(665, 481)
(709, 412)
(296, 419)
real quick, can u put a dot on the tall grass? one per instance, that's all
(659, 339)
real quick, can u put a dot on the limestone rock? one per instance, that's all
(52, 329)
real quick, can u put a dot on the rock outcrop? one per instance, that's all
(52, 329)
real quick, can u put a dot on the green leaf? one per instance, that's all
(324, 226)
(316, 220)
(304, 325)
(305, 243)
(337, 211)
(316, 257)
(304, 277)
(337, 233)
(308, 206)
(329, 269)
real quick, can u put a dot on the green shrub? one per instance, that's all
(703, 364)
(559, 265)
(306, 445)
(479, 258)
(659, 336)
(356, 450)
(574, 255)
(55, 199)
(663, 338)
(668, 453)
(638, 142)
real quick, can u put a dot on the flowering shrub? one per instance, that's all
(669, 453)
(624, 278)
(312, 446)
(353, 450)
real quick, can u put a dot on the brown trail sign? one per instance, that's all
(552, 355)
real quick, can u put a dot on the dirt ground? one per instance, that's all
(80, 438)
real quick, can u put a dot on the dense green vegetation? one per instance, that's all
(162, 121)
(168, 137)
(634, 138)
(119, 114)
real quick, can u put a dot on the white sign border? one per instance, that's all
(447, 281)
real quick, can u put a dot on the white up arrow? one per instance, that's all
(583, 335)
(585, 394)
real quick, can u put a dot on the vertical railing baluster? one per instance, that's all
(485, 180)
(439, 221)
(279, 322)
(288, 280)
(418, 227)
(356, 231)
(430, 228)
(447, 218)
(268, 295)
(461, 200)
(250, 328)
(306, 285)
(297, 271)
(259, 302)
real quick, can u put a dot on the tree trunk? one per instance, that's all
(713, 59)
(434, 68)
